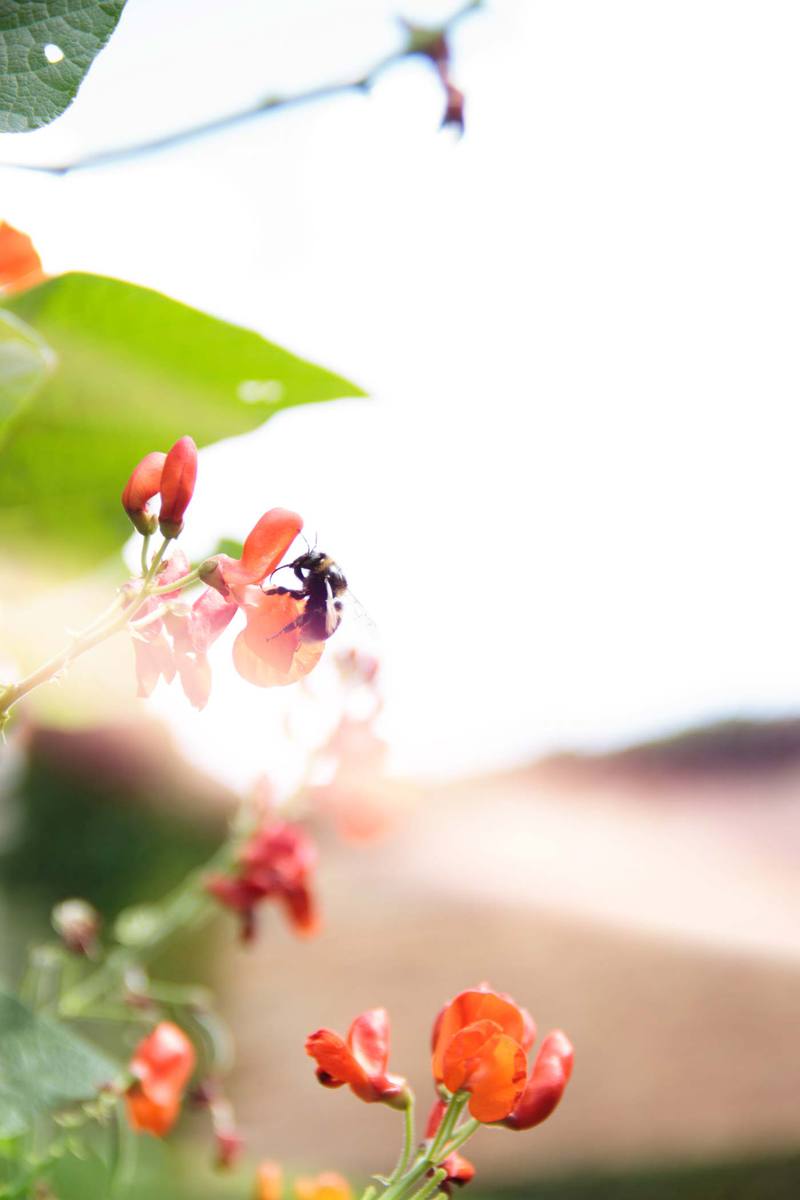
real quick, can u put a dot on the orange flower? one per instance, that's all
(488, 1064)
(545, 1087)
(261, 657)
(20, 265)
(480, 1040)
(269, 1181)
(177, 486)
(361, 1061)
(162, 1064)
(477, 1004)
(267, 660)
(459, 1169)
(327, 1186)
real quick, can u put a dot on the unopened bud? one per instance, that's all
(177, 486)
(77, 924)
(210, 572)
(143, 484)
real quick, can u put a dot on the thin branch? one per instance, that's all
(419, 42)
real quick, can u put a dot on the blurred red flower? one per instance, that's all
(161, 1064)
(277, 863)
(20, 265)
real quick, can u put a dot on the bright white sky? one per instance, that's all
(572, 506)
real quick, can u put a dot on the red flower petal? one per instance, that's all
(368, 1040)
(335, 1060)
(264, 547)
(548, 1079)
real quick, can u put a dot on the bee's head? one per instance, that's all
(315, 561)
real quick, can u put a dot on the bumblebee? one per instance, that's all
(322, 584)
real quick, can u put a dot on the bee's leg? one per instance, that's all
(284, 591)
(297, 623)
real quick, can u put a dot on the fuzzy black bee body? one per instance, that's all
(322, 584)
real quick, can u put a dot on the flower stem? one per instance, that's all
(428, 1189)
(178, 584)
(103, 627)
(461, 1135)
(408, 1142)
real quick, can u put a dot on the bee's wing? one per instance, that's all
(360, 613)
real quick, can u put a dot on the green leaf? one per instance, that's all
(44, 1066)
(25, 362)
(46, 48)
(136, 371)
(229, 546)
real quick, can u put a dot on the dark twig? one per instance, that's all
(425, 42)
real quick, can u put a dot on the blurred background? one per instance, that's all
(567, 511)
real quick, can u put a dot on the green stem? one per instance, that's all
(449, 1121)
(145, 549)
(408, 1142)
(95, 633)
(405, 1181)
(463, 1134)
(432, 1186)
(183, 582)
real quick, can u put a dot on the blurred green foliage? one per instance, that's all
(44, 1066)
(134, 371)
(90, 825)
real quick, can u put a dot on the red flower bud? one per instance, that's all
(143, 484)
(177, 486)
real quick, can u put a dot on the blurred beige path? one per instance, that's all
(658, 927)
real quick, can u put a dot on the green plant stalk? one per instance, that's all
(432, 1153)
(408, 1142)
(432, 1186)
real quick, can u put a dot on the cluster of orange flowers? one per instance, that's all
(480, 1046)
(481, 1041)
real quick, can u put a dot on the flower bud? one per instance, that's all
(177, 486)
(77, 924)
(210, 572)
(143, 484)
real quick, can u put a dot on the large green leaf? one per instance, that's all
(46, 48)
(44, 1066)
(25, 362)
(135, 372)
